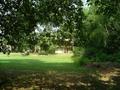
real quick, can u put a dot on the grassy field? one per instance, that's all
(52, 72)
(17, 62)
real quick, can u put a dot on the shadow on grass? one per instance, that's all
(11, 77)
(57, 81)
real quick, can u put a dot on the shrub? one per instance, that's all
(84, 60)
(78, 51)
(103, 57)
(91, 52)
(52, 49)
(81, 60)
(90, 55)
(117, 57)
(42, 52)
(26, 53)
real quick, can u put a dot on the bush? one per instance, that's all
(91, 52)
(84, 60)
(101, 56)
(52, 49)
(43, 53)
(81, 56)
(26, 53)
(117, 57)
(78, 51)
(91, 55)
(81, 60)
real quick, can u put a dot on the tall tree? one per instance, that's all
(20, 17)
(109, 9)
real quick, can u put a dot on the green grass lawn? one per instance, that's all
(51, 72)
(17, 62)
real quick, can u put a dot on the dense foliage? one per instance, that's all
(94, 28)
(19, 18)
(101, 31)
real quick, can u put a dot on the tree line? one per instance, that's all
(95, 28)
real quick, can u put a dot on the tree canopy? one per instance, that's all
(20, 17)
(94, 26)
